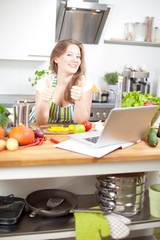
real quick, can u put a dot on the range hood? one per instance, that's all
(82, 20)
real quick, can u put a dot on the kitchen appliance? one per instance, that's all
(126, 192)
(136, 81)
(100, 111)
(82, 20)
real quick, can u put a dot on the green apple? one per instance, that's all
(79, 128)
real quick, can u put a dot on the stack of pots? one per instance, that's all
(121, 193)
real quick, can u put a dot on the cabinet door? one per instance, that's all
(27, 27)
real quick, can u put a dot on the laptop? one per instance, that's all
(123, 125)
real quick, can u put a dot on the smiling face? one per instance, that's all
(68, 63)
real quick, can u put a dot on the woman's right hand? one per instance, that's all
(47, 93)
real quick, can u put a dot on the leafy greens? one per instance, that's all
(4, 113)
(135, 99)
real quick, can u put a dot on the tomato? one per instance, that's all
(149, 103)
(88, 125)
(79, 128)
(1, 133)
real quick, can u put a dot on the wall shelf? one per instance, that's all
(37, 58)
(133, 43)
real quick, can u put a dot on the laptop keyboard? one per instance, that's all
(92, 139)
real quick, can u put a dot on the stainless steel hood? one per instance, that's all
(82, 20)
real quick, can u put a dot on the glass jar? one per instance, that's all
(156, 33)
(149, 29)
(128, 31)
(139, 31)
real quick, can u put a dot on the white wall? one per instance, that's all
(100, 58)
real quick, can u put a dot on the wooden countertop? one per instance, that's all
(46, 154)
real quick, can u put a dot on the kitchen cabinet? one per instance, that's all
(133, 43)
(27, 29)
(46, 162)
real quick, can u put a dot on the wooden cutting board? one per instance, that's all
(47, 132)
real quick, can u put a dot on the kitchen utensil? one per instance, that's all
(101, 97)
(130, 192)
(21, 113)
(13, 205)
(11, 209)
(54, 202)
(36, 200)
(36, 211)
(47, 132)
(51, 203)
(126, 179)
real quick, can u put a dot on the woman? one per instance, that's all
(67, 95)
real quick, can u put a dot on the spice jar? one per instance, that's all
(139, 31)
(128, 31)
(156, 33)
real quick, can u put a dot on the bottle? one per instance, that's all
(149, 29)
(118, 102)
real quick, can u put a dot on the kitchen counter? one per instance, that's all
(46, 154)
(71, 171)
(59, 162)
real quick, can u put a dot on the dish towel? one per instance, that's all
(117, 225)
(91, 226)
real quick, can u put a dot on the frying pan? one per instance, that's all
(37, 200)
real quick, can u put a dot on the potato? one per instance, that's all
(2, 144)
(12, 144)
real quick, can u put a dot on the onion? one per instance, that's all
(38, 133)
(7, 130)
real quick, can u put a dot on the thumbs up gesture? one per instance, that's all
(76, 92)
(47, 93)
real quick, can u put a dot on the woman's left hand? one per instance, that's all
(76, 93)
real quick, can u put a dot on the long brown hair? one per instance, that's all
(57, 51)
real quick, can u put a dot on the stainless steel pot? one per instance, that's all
(100, 97)
(128, 179)
(129, 189)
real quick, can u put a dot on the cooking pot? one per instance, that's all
(129, 189)
(100, 97)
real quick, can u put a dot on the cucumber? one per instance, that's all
(152, 137)
(158, 133)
